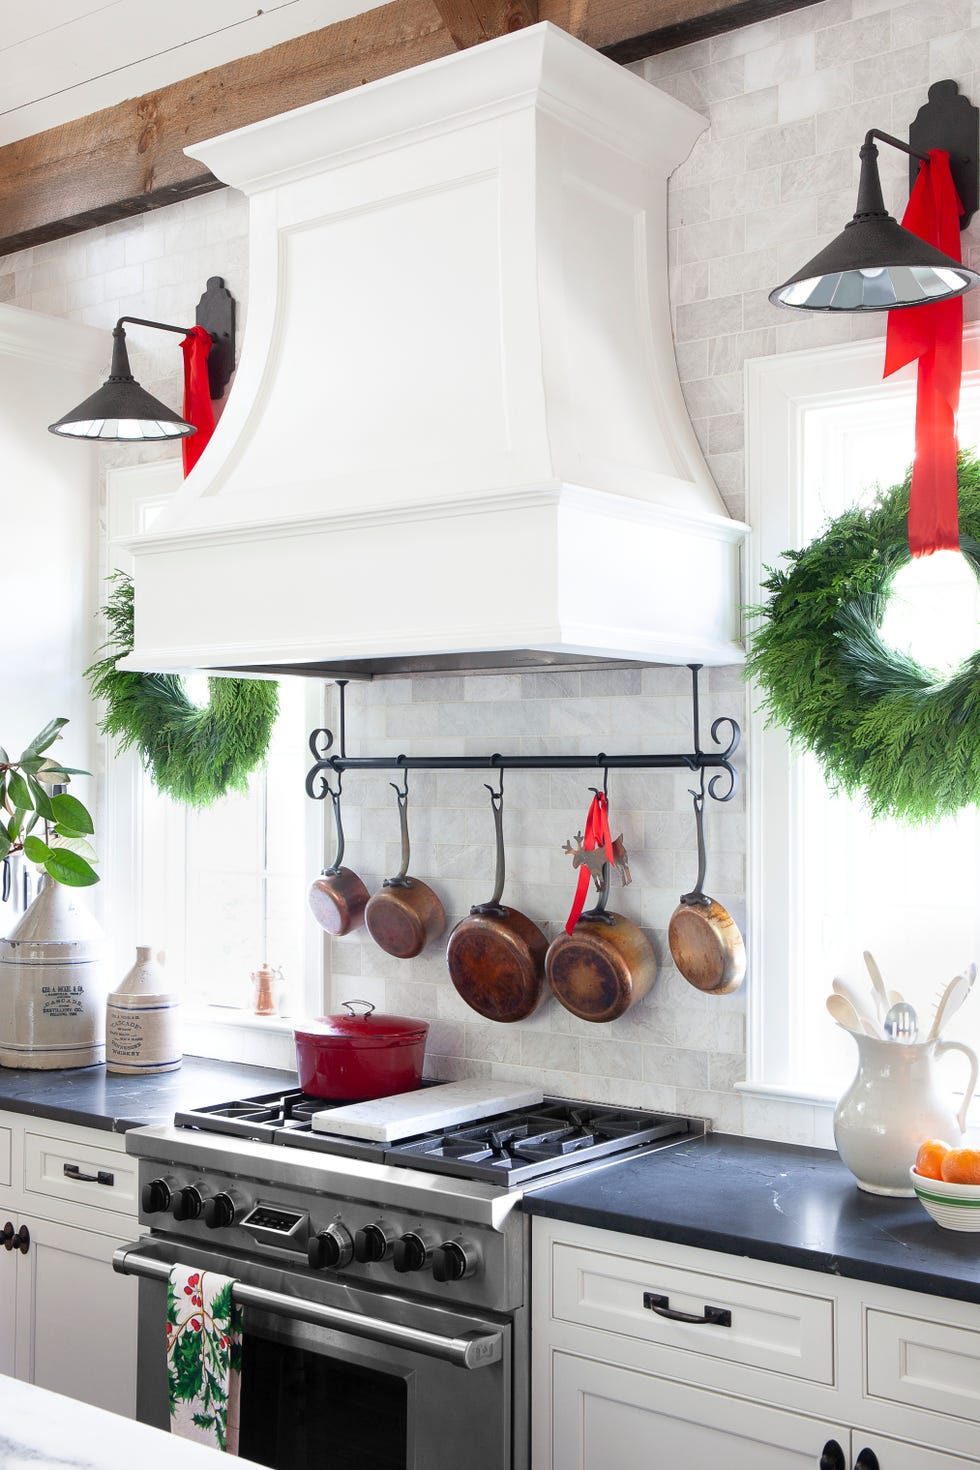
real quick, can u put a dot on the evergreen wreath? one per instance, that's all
(193, 754)
(879, 723)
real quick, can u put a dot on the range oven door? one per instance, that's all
(339, 1376)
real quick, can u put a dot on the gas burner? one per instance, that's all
(259, 1118)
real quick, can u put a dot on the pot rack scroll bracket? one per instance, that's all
(696, 760)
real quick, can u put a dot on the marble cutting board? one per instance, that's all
(445, 1105)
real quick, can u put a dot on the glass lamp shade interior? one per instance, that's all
(121, 409)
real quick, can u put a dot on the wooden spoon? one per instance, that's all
(881, 992)
(845, 1015)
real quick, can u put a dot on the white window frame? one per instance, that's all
(780, 392)
(134, 496)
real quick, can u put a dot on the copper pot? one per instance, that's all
(405, 915)
(605, 966)
(338, 898)
(704, 939)
(496, 955)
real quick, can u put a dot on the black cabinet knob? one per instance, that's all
(866, 1460)
(219, 1210)
(7, 1235)
(452, 1261)
(330, 1249)
(187, 1203)
(371, 1244)
(155, 1196)
(832, 1457)
(411, 1253)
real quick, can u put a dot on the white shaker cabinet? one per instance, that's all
(648, 1353)
(67, 1321)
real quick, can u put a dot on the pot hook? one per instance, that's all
(401, 880)
(493, 904)
(598, 914)
(697, 894)
(334, 867)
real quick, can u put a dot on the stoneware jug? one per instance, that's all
(895, 1102)
(52, 991)
(143, 1021)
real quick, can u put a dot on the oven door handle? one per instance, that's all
(468, 1350)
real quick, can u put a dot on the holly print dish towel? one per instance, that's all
(204, 1357)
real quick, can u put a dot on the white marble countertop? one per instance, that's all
(46, 1431)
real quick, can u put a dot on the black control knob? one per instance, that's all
(187, 1203)
(155, 1196)
(453, 1260)
(330, 1249)
(411, 1253)
(371, 1244)
(219, 1210)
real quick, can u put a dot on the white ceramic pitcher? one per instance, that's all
(895, 1103)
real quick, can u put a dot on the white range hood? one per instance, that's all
(456, 438)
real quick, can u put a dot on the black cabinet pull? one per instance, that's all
(72, 1171)
(866, 1460)
(16, 1240)
(7, 1236)
(715, 1316)
(832, 1457)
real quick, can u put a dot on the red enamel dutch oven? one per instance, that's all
(355, 1057)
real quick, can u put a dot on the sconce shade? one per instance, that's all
(121, 410)
(874, 264)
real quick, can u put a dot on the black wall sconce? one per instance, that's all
(122, 411)
(876, 265)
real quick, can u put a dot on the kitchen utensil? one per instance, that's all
(845, 1015)
(355, 1057)
(704, 939)
(604, 966)
(954, 1206)
(338, 898)
(851, 994)
(496, 955)
(901, 1023)
(895, 1101)
(881, 993)
(445, 1105)
(405, 915)
(951, 999)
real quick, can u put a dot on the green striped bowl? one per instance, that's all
(954, 1206)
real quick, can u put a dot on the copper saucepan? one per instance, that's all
(496, 954)
(338, 898)
(405, 915)
(704, 939)
(604, 966)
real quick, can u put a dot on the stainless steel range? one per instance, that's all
(385, 1284)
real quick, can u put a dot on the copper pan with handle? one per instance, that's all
(338, 898)
(405, 915)
(705, 942)
(496, 954)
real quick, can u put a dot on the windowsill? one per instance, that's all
(196, 1014)
(787, 1094)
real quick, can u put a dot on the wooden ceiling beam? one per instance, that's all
(129, 159)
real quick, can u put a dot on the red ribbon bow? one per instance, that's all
(597, 834)
(933, 333)
(196, 347)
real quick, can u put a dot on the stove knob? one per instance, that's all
(453, 1260)
(155, 1196)
(412, 1253)
(371, 1244)
(187, 1203)
(219, 1210)
(330, 1249)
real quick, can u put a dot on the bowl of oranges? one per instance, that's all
(947, 1184)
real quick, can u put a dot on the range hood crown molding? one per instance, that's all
(457, 387)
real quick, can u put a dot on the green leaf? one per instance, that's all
(36, 850)
(5, 845)
(69, 810)
(79, 845)
(19, 793)
(45, 737)
(68, 868)
(42, 801)
(4, 757)
(13, 827)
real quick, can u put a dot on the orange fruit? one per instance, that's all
(961, 1166)
(929, 1159)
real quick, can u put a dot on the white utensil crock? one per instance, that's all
(143, 1022)
(52, 991)
(893, 1105)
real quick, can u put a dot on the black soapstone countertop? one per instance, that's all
(95, 1098)
(772, 1202)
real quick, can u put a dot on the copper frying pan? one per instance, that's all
(338, 898)
(405, 914)
(496, 955)
(704, 939)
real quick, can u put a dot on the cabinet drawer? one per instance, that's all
(5, 1149)
(925, 1365)
(782, 1331)
(82, 1173)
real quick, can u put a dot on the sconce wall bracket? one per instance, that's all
(216, 314)
(950, 121)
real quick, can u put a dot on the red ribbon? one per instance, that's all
(597, 834)
(933, 333)
(196, 347)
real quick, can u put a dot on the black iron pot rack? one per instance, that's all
(698, 760)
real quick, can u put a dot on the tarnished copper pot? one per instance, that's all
(405, 915)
